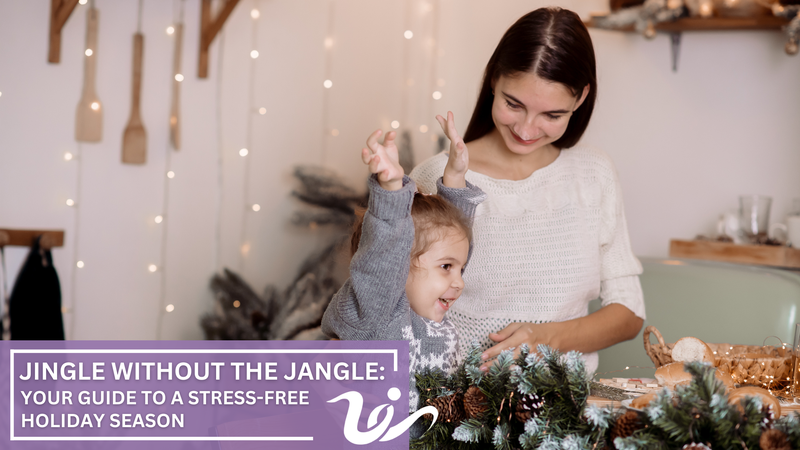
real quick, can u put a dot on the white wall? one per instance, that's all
(686, 144)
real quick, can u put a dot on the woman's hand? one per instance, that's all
(603, 328)
(518, 333)
(384, 160)
(458, 160)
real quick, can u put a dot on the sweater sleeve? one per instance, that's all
(466, 199)
(620, 269)
(373, 294)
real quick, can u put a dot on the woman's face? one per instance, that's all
(531, 112)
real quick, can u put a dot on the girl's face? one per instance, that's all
(435, 282)
(531, 112)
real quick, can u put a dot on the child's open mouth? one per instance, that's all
(446, 302)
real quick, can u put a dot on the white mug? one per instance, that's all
(791, 230)
(728, 225)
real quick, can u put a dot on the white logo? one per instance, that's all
(356, 403)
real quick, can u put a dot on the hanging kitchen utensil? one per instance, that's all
(177, 77)
(89, 113)
(134, 141)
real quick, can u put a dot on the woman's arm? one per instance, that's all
(609, 325)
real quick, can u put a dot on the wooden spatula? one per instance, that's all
(89, 113)
(134, 141)
(174, 115)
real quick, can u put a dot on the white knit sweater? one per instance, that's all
(544, 247)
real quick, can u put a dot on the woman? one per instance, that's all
(552, 234)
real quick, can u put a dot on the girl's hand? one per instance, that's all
(458, 160)
(384, 160)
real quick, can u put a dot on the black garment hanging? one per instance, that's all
(35, 305)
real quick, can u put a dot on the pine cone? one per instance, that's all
(696, 446)
(774, 440)
(474, 402)
(769, 416)
(626, 424)
(528, 406)
(450, 407)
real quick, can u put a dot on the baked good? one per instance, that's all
(643, 400)
(690, 349)
(671, 375)
(737, 395)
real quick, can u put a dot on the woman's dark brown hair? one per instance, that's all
(434, 218)
(554, 44)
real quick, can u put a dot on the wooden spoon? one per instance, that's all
(174, 115)
(134, 141)
(89, 113)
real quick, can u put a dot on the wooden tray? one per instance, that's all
(763, 255)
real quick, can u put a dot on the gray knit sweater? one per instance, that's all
(372, 304)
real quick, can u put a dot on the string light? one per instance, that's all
(178, 77)
(408, 34)
(437, 95)
(158, 219)
(440, 82)
(95, 106)
(327, 84)
(83, 2)
(254, 54)
(79, 264)
(395, 124)
(256, 207)
(423, 128)
(170, 174)
(262, 110)
(328, 42)
(88, 52)
(245, 249)
(170, 30)
(68, 156)
(334, 132)
(170, 307)
(70, 202)
(236, 303)
(410, 82)
(255, 14)
(152, 268)
(1, 94)
(243, 152)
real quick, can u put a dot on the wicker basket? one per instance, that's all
(764, 366)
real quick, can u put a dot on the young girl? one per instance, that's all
(411, 250)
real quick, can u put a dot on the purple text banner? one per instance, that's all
(189, 395)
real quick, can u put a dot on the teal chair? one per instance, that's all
(712, 301)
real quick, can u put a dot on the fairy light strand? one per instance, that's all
(161, 267)
(246, 152)
(405, 92)
(328, 130)
(77, 263)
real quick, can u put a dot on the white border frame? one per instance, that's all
(171, 438)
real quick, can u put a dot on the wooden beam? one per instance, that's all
(25, 238)
(60, 10)
(208, 31)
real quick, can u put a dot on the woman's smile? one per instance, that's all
(523, 141)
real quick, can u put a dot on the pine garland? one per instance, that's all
(697, 416)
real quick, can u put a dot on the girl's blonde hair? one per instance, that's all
(434, 218)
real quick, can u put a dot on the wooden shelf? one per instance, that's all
(712, 24)
(762, 255)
